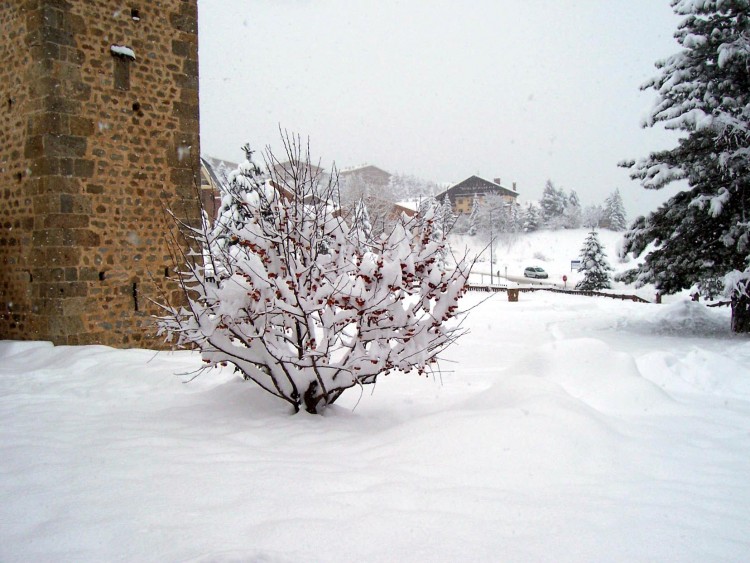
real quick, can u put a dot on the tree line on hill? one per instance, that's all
(491, 215)
(559, 210)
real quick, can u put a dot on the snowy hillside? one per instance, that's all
(562, 428)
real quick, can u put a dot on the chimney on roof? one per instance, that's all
(514, 187)
(497, 181)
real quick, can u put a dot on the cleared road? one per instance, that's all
(484, 278)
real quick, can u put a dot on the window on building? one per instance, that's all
(122, 56)
(122, 73)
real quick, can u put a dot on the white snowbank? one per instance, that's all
(563, 428)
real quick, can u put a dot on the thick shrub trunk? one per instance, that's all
(741, 313)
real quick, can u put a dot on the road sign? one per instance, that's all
(575, 265)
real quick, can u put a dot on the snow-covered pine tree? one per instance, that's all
(614, 212)
(515, 219)
(531, 218)
(438, 228)
(361, 229)
(592, 216)
(298, 309)
(233, 213)
(427, 204)
(573, 212)
(473, 217)
(596, 270)
(702, 232)
(573, 199)
(447, 216)
(553, 203)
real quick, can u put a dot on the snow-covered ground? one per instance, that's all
(562, 428)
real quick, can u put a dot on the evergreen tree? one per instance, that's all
(701, 233)
(592, 216)
(361, 232)
(596, 270)
(247, 183)
(515, 218)
(553, 205)
(430, 217)
(531, 218)
(473, 217)
(447, 215)
(573, 211)
(427, 204)
(438, 229)
(614, 212)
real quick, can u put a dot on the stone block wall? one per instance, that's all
(94, 146)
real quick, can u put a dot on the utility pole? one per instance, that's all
(492, 252)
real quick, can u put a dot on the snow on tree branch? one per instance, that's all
(701, 234)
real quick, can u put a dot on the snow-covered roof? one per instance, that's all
(412, 204)
(212, 166)
(361, 167)
(478, 184)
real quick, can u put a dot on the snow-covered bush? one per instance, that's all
(299, 305)
(596, 270)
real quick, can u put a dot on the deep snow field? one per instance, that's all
(561, 428)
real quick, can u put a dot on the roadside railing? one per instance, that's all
(495, 288)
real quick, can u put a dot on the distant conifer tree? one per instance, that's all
(596, 270)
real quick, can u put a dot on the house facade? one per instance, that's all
(367, 175)
(462, 195)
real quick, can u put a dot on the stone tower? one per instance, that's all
(98, 135)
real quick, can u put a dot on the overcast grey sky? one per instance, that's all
(524, 90)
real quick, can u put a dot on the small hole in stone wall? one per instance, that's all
(136, 106)
(102, 276)
(166, 271)
(19, 176)
(135, 296)
(11, 101)
(135, 13)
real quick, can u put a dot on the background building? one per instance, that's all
(462, 195)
